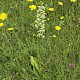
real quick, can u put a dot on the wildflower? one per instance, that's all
(32, 7)
(51, 9)
(10, 29)
(54, 36)
(30, 0)
(60, 3)
(58, 28)
(1, 24)
(73, 0)
(3, 16)
(40, 21)
(62, 17)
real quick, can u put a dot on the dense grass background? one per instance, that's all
(58, 58)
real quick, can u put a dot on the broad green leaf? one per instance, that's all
(34, 62)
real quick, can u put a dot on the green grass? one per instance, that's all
(52, 56)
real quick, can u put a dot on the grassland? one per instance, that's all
(24, 56)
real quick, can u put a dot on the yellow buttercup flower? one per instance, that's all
(62, 17)
(51, 9)
(3, 16)
(10, 29)
(73, 0)
(54, 36)
(57, 28)
(1, 24)
(32, 7)
(30, 0)
(60, 3)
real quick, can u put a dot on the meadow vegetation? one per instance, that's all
(39, 39)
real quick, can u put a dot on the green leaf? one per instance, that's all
(34, 63)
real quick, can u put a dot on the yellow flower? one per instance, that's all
(32, 7)
(51, 9)
(1, 24)
(73, 0)
(30, 0)
(54, 36)
(3, 16)
(57, 28)
(10, 29)
(62, 17)
(60, 3)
